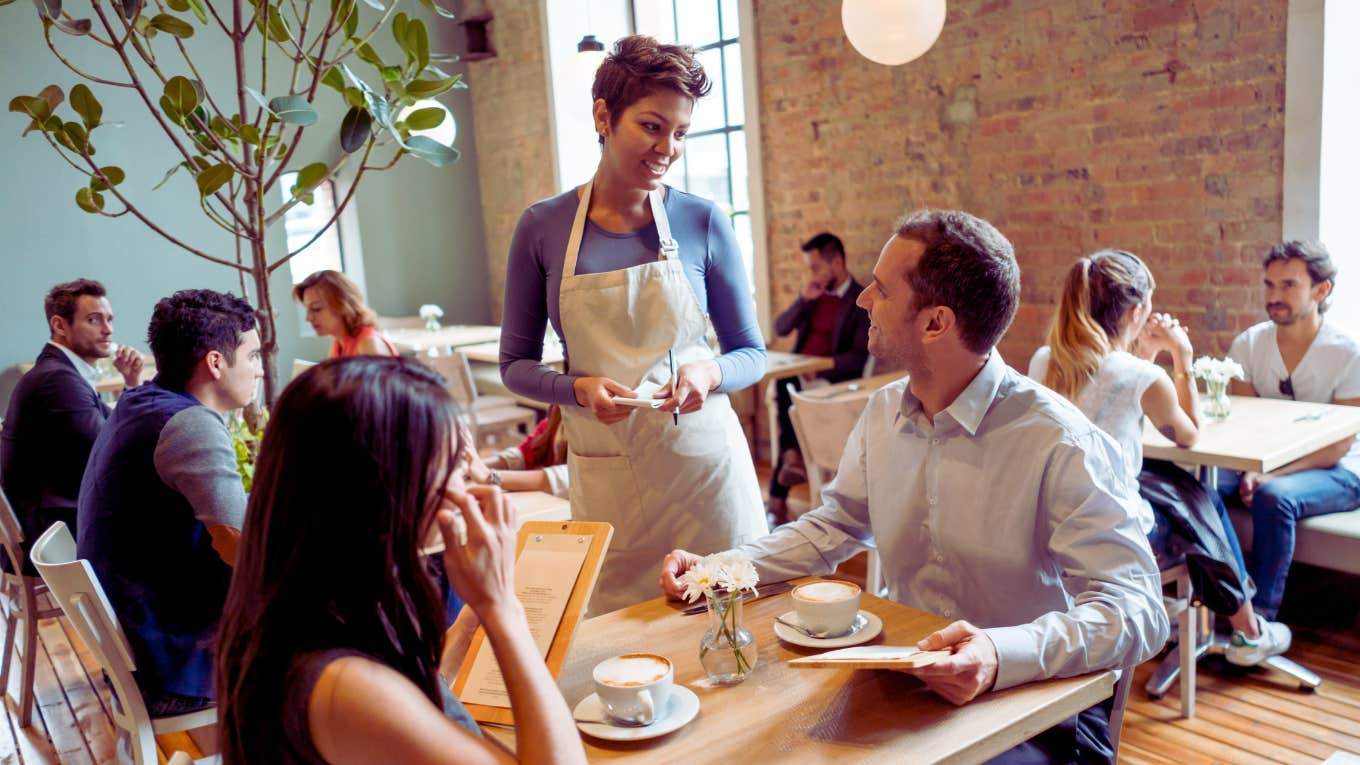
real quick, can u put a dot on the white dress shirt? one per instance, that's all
(1010, 512)
(86, 370)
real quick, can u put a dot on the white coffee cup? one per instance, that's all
(635, 688)
(827, 607)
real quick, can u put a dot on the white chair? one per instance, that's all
(19, 601)
(823, 425)
(1121, 702)
(489, 416)
(72, 582)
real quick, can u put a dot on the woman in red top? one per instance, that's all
(335, 308)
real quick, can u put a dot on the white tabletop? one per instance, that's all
(1260, 434)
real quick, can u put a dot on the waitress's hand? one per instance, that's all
(478, 526)
(597, 394)
(693, 381)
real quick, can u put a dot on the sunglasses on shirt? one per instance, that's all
(1287, 387)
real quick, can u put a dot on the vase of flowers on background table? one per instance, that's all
(431, 313)
(1217, 373)
(727, 650)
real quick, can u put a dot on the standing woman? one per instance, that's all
(335, 308)
(628, 270)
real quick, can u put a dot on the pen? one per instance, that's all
(676, 414)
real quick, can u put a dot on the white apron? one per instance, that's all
(662, 486)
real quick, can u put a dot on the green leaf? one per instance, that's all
(369, 56)
(283, 149)
(309, 176)
(74, 137)
(250, 134)
(214, 178)
(293, 109)
(424, 119)
(33, 106)
(143, 26)
(222, 128)
(259, 98)
(278, 27)
(86, 105)
(354, 97)
(434, 7)
(200, 12)
(352, 21)
(355, 129)
(53, 95)
(174, 114)
(170, 173)
(172, 25)
(431, 151)
(89, 200)
(181, 95)
(178, 5)
(77, 27)
(113, 175)
(399, 30)
(333, 79)
(431, 88)
(380, 109)
(418, 40)
(391, 74)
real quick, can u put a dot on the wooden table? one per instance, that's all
(1260, 434)
(110, 381)
(490, 353)
(783, 713)
(409, 340)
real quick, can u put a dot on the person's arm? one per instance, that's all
(1171, 407)
(1240, 351)
(1322, 459)
(194, 456)
(792, 317)
(372, 344)
(1117, 618)
(73, 409)
(731, 308)
(525, 318)
(850, 361)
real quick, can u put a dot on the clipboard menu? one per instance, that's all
(556, 566)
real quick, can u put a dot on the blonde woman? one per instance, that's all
(335, 308)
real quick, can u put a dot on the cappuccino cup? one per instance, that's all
(827, 607)
(635, 688)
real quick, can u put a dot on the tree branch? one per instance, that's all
(283, 209)
(47, 33)
(338, 210)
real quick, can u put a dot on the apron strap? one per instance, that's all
(578, 227)
(670, 248)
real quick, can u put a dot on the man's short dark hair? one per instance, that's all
(826, 244)
(968, 266)
(61, 300)
(188, 324)
(1315, 258)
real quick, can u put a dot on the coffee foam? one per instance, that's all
(632, 670)
(826, 591)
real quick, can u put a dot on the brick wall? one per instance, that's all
(512, 111)
(1156, 126)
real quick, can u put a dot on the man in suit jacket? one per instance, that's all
(828, 323)
(55, 413)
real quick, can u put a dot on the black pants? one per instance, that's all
(788, 438)
(1075, 741)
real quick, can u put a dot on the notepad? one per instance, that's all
(644, 399)
(873, 657)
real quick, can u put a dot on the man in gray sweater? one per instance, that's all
(162, 504)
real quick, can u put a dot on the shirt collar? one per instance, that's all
(85, 369)
(972, 404)
(841, 288)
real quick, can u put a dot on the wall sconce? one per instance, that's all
(892, 32)
(477, 27)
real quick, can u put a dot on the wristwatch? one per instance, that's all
(495, 479)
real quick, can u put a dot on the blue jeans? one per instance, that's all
(1276, 509)
(1158, 536)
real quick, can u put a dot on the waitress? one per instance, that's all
(629, 271)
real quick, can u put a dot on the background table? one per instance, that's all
(787, 713)
(779, 366)
(410, 340)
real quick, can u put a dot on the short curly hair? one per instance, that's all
(62, 299)
(639, 66)
(188, 324)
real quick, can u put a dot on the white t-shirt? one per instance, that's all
(1329, 369)
(1113, 400)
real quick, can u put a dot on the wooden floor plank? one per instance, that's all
(1187, 740)
(1211, 723)
(95, 725)
(62, 726)
(1130, 754)
(1312, 728)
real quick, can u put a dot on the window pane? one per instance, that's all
(741, 198)
(731, 21)
(736, 107)
(708, 112)
(301, 223)
(706, 163)
(698, 20)
(655, 18)
(742, 223)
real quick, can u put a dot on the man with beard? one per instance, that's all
(1296, 355)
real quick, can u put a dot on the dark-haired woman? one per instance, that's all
(1104, 313)
(335, 308)
(330, 646)
(629, 271)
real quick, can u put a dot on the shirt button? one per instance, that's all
(935, 441)
(947, 613)
(939, 557)
(932, 501)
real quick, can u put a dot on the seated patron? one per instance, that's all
(990, 499)
(1106, 306)
(55, 413)
(335, 308)
(162, 503)
(332, 639)
(537, 464)
(1298, 355)
(828, 324)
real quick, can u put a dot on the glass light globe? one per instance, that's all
(892, 32)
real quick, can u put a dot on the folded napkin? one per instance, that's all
(873, 657)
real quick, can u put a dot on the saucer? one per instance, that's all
(873, 626)
(684, 706)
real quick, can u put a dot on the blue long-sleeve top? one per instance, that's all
(708, 252)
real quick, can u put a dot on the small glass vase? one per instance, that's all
(1217, 405)
(432, 324)
(728, 650)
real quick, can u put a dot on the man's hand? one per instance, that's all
(129, 364)
(813, 289)
(969, 672)
(1250, 482)
(673, 565)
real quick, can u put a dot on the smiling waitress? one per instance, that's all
(628, 269)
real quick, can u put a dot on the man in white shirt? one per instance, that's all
(1296, 355)
(989, 498)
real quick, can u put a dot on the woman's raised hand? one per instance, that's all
(597, 394)
(479, 546)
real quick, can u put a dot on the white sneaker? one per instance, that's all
(1248, 652)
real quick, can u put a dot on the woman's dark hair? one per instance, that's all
(1097, 295)
(61, 300)
(188, 324)
(343, 295)
(639, 66)
(350, 474)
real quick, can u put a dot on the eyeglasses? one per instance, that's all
(1287, 387)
